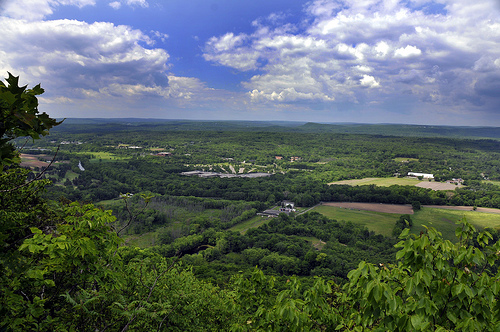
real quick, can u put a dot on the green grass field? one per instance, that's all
(71, 175)
(379, 222)
(445, 220)
(442, 219)
(496, 183)
(254, 222)
(381, 182)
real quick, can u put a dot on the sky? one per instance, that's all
(362, 61)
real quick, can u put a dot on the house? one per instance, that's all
(164, 154)
(287, 206)
(279, 157)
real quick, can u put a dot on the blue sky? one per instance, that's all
(365, 61)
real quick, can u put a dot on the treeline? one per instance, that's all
(102, 181)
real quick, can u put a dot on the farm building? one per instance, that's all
(423, 175)
(164, 154)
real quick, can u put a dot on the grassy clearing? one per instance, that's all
(496, 183)
(378, 222)
(111, 203)
(442, 219)
(144, 240)
(316, 243)
(149, 239)
(254, 222)
(70, 175)
(381, 182)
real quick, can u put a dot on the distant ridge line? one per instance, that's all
(401, 130)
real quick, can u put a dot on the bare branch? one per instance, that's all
(131, 215)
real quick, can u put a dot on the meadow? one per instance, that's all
(443, 220)
(254, 222)
(381, 182)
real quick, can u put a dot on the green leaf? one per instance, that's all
(35, 230)
(416, 321)
(457, 289)
(404, 233)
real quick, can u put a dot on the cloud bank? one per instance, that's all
(441, 55)
(413, 61)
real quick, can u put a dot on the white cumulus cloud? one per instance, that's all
(428, 51)
(407, 52)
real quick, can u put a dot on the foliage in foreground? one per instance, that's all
(435, 286)
(19, 116)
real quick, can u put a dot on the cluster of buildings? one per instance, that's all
(286, 207)
(203, 174)
(68, 142)
(292, 159)
(126, 146)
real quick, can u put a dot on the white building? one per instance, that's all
(423, 175)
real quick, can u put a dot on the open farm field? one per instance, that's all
(28, 160)
(382, 182)
(378, 222)
(464, 208)
(443, 219)
(387, 182)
